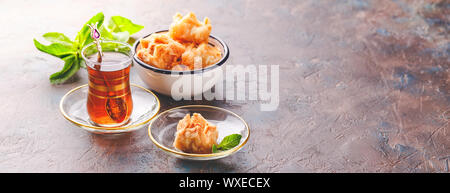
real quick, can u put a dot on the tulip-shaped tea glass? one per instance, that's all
(109, 102)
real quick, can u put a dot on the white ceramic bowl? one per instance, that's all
(164, 81)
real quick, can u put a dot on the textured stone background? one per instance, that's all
(364, 87)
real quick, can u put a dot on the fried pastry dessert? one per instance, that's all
(161, 51)
(184, 47)
(189, 29)
(195, 135)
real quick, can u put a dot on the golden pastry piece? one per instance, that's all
(200, 56)
(184, 47)
(189, 29)
(195, 135)
(160, 51)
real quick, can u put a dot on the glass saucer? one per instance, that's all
(162, 129)
(145, 107)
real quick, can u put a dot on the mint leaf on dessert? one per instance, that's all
(227, 143)
(214, 148)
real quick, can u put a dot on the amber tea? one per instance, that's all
(109, 101)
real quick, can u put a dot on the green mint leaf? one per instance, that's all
(119, 36)
(61, 46)
(82, 63)
(56, 49)
(84, 36)
(214, 148)
(71, 66)
(55, 37)
(229, 142)
(122, 24)
(106, 34)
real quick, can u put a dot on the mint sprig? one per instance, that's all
(118, 28)
(227, 143)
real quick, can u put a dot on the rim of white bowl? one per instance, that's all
(226, 53)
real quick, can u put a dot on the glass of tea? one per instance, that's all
(109, 102)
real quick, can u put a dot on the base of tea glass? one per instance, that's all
(73, 108)
(110, 125)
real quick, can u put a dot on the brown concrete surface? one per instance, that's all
(364, 87)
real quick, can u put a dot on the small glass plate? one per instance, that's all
(162, 129)
(145, 107)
